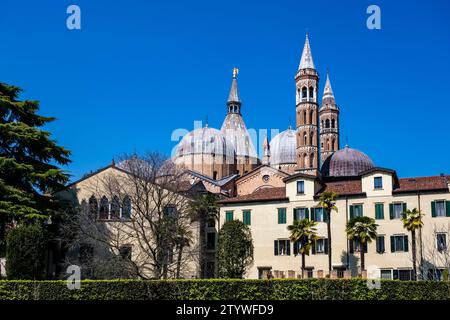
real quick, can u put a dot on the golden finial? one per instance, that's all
(235, 72)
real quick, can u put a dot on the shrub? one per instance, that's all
(25, 250)
(230, 289)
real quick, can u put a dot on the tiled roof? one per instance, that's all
(264, 194)
(423, 183)
(344, 187)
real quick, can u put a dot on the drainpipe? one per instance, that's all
(421, 242)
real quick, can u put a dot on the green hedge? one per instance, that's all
(310, 289)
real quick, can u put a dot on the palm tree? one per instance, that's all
(303, 231)
(328, 203)
(412, 221)
(364, 230)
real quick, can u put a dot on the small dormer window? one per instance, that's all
(378, 182)
(300, 187)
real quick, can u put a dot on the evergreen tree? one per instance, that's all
(28, 161)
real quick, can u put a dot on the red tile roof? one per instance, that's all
(264, 194)
(423, 183)
(344, 187)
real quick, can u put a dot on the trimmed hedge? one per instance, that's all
(285, 289)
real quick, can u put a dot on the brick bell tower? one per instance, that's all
(329, 123)
(306, 81)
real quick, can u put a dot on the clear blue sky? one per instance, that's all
(137, 70)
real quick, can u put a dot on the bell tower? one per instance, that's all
(306, 83)
(329, 123)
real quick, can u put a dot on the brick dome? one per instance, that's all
(346, 162)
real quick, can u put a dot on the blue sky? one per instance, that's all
(137, 70)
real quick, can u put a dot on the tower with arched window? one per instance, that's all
(329, 123)
(306, 81)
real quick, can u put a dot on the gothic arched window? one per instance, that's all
(115, 208)
(305, 160)
(327, 123)
(332, 144)
(104, 208)
(304, 93)
(305, 138)
(311, 160)
(311, 139)
(126, 208)
(304, 116)
(311, 116)
(332, 123)
(311, 93)
(93, 207)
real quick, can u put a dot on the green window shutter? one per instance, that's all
(391, 211)
(447, 208)
(351, 212)
(392, 244)
(405, 243)
(294, 214)
(307, 213)
(404, 207)
(379, 211)
(325, 216)
(433, 209)
(362, 210)
(350, 246)
(325, 245)
(281, 215)
(275, 247)
(313, 247)
(313, 214)
(246, 217)
(288, 248)
(229, 216)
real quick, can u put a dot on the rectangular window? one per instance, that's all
(228, 216)
(170, 211)
(441, 242)
(380, 244)
(300, 187)
(320, 246)
(246, 217)
(399, 243)
(379, 211)
(318, 215)
(386, 274)
(282, 247)
(356, 210)
(435, 274)
(378, 182)
(440, 208)
(404, 275)
(125, 252)
(355, 246)
(210, 240)
(281, 215)
(300, 213)
(396, 210)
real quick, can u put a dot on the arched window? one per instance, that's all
(311, 139)
(126, 208)
(327, 123)
(332, 123)
(104, 208)
(311, 93)
(304, 116)
(305, 138)
(311, 160)
(332, 145)
(311, 116)
(115, 208)
(305, 160)
(93, 207)
(215, 175)
(328, 145)
(304, 93)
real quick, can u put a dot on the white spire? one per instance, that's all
(306, 61)
(328, 92)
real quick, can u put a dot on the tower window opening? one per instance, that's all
(311, 139)
(215, 175)
(332, 123)
(304, 116)
(305, 138)
(311, 160)
(305, 160)
(332, 145)
(304, 94)
(311, 116)
(311, 93)
(327, 123)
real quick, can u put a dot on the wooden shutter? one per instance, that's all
(313, 214)
(404, 207)
(392, 244)
(288, 248)
(391, 211)
(294, 217)
(313, 247)
(351, 212)
(275, 247)
(405, 243)
(325, 245)
(350, 246)
(362, 210)
(433, 209)
(306, 213)
(447, 208)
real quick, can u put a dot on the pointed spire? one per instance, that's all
(328, 92)
(266, 149)
(306, 61)
(234, 95)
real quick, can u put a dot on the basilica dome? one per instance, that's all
(208, 141)
(346, 162)
(283, 148)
